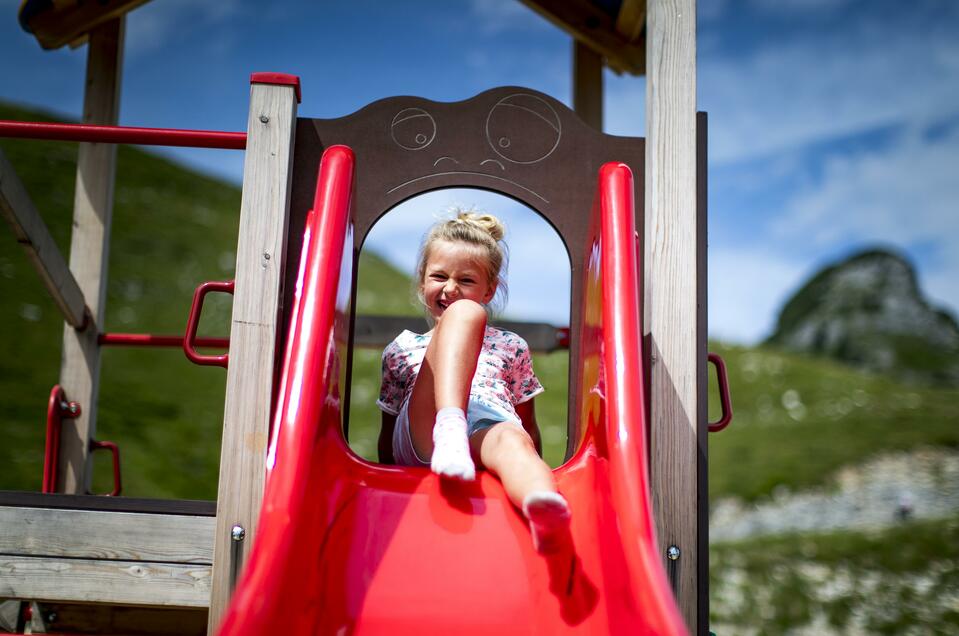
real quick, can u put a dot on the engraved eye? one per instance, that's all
(523, 128)
(413, 128)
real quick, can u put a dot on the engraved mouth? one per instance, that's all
(466, 172)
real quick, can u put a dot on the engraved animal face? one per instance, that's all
(519, 130)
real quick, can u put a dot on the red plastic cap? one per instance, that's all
(283, 79)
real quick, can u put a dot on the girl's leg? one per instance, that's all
(507, 451)
(444, 383)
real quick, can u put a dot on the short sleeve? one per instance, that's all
(391, 386)
(523, 383)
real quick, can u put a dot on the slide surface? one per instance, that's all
(344, 546)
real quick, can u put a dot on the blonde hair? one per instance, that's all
(485, 233)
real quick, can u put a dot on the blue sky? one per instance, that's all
(834, 124)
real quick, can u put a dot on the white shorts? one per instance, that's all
(479, 416)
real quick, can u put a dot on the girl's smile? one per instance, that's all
(453, 272)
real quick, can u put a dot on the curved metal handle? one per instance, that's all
(115, 450)
(724, 401)
(189, 340)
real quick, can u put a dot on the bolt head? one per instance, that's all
(237, 533)
(264, 119)
(672, 553)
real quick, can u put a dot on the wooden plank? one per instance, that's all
(108, 504)
(591, 25)
(115, 536)
(90, 581)
(264, 213)
(32, 234)
(588, 85)
(79, 618)
(89, 254)
(671, 285)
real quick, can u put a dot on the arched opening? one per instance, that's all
(538, 278)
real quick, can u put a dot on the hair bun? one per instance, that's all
(486, 222)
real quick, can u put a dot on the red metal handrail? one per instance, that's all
(123, 135)
(58, 408)
(154, 340)
(190, 341)
(725, 402)
(115, 451)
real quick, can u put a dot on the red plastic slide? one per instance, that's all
(344, 546)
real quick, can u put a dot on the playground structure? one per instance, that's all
(614, 502)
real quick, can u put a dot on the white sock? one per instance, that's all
(451, 449)
(548, 515)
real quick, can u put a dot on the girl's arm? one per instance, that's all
(527, 415)
(385, 444)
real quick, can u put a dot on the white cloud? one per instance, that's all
(150, 27)
(903, 195)
(747, 287)
(497, 16)
(800, 90)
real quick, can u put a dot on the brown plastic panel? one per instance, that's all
(515, 141)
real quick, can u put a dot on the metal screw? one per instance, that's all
(238, 533)
(672, 553)
(52, 617)
(266, 255)
(264, 119)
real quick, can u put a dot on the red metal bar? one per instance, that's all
(153, 340)
(124, 135)
(725, 402)
(190, 341)
(58, 408)
(115, 451)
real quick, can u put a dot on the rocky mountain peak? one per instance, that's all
(869, 311)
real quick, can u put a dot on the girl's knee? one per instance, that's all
(508, 438)
(464, 310)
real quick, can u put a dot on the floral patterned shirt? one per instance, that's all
(504, 371)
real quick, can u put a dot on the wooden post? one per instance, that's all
(89, 252)
(588, 84)
(670, 302)
(260, 256)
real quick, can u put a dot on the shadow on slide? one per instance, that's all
(344, 546)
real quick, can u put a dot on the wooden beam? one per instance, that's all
(670, 292)
(106, 536)
(41, 249)
(59, 23)
(261, 254)
(595, 28)
(588, 85)
(89, 253)
(97, 581)
(631, 20)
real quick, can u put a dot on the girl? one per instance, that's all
(462, 393)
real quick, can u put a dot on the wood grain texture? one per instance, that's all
(116, 536)
(91, 581)
(261, 254)
(32, 234)
(89, 253)
(670, 296)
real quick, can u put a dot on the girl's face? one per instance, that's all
(453, 272)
